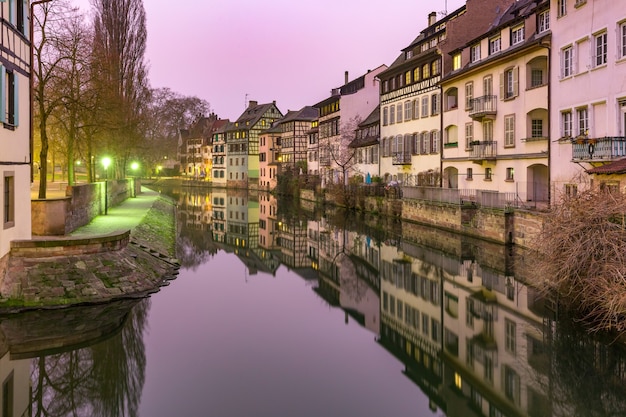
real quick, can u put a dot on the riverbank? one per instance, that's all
(139, 265)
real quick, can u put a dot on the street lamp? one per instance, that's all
(106, 161)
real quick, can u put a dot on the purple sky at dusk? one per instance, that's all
(279, 50)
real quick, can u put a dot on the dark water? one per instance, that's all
(282, 311)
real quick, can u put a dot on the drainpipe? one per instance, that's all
(549, 75)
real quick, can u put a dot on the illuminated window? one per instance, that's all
(426, 71)
(456, 62)
(8, 203)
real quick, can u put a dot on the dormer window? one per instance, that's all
(495, 44)
(475, 53)
(408, 54)
(517, 35)
(456, 61)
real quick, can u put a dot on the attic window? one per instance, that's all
(408, 54)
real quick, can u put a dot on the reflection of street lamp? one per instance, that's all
(106, 161)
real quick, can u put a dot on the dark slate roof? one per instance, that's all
(307, 113)
(253, 114)
(616, 167)
(374, 117)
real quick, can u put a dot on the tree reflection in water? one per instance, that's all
(105, 379)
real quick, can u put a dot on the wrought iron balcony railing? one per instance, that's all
(483, 106)
(608, 148)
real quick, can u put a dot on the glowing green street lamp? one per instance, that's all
(106, 161)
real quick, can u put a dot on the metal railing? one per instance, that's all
(481, 106)
(484, 150)
(602, 149)
(401, 158)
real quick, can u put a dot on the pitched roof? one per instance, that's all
(373, 118)
(307, 114)
(616, 167)
(253, 114)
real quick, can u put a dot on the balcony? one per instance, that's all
(401, 158)
(604, 149)
(483, 107)
(485, 150)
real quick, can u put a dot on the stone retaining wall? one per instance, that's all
(68, 246)
(61, 216)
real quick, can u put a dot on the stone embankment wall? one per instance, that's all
(61, 216)
(519, 227)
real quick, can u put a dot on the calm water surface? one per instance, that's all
(280, 311)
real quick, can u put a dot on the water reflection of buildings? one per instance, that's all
(467, 333)
(453, 310)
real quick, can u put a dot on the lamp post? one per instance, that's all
(31, 141)
(134, 167)
(106, 161)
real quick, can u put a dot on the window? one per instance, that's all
(566, 124)
(536, 77)
(425, 106)
(475, 53)
(509, 83)
(385, 86)
(495, 44)
(510, 336)
(8, 97)
(469, 95)
(425, 143)
(536, 128)
(561, 8)
(583, 121)
(434, 137)
(408, 111)
(416, 74)
(435, 104)
(567, 59)
(416, 144)
(456, 62)
(510, 174)
(436, 68)
(407, 78)
(487, 174)
(517, 35)
(469, 135)
(621, 41)
(408, 54)
(426, 71)
(385, 116)
(600, 50)
(399, 113)
(488, 85)
(470, 174)
(509, 130)
(392, 114)
(544, 21)
(8, 203)
(488, 130)
(416, 109)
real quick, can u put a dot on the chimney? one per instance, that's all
(432, 18)
(252, 104)
(346, 77)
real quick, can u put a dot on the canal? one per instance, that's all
(281, 310)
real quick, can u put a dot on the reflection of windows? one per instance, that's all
(452, 304)
(511, 384)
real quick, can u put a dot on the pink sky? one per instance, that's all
(290, 51)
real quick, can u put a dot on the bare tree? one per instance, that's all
(47, 24)
(581, 256)
(120, 75)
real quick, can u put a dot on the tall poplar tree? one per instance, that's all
(120, 76)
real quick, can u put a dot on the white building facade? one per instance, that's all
(15, 133)
(588, 99)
